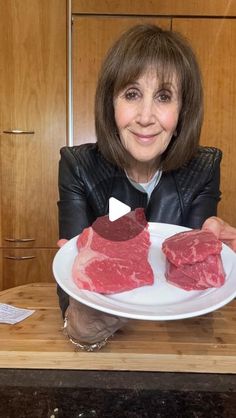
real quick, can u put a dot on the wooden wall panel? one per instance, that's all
(214, 43)
(160, 7)
(92, 36)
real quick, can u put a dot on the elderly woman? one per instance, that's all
(148, 115)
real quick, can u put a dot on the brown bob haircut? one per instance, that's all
(135, 51)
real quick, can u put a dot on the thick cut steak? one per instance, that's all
(110, 265)
(197, 276)
(191, 246)
(193, 260)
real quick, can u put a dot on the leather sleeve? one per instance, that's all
(204, 203)
(74, 212)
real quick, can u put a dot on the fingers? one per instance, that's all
(231, 243)
(228, 232)
(61, 242)
(222, 230)
(214, 225)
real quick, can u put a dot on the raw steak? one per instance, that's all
(193, 260)
(191, 246)
(114, 265)
(197, 276)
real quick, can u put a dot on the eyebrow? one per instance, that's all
(165, 85)
(168, 85)
(131, 83)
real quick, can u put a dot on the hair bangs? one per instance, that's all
(153, 56)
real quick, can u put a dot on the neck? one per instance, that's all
(142, 172)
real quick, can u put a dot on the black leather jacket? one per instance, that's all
(184, 197)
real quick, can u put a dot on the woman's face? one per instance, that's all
(146, 115)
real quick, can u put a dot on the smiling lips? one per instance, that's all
(145, 138)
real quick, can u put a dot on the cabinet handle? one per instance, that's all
(18, 258)
(18, 132)
(19, 239)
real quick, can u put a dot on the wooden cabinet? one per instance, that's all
(155, 8)
(214, 43)
(22, 266)
(33, 100)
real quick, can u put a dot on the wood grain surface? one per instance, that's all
(204, 344)
(26, 265)
(214, 43)
(160, 7)
(33, 98)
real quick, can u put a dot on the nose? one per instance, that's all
(146, 114)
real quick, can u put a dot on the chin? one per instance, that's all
(146, 158)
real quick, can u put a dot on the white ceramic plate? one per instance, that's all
(161, 301)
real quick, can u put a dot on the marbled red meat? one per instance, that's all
(114, 265)
(194, 260)
(191, 246)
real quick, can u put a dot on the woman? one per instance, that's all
(148, 115)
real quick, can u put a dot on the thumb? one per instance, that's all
(62, 242)
(214, 225)
(222, 231)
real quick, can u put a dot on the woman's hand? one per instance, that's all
(222, 230)
(61, 242)
(87, 325)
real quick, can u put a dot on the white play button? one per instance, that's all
(117, 209)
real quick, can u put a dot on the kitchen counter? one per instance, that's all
(205, 344)
(133, 377)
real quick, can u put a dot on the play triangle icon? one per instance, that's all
(117, 209)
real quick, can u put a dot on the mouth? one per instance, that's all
(145, 137)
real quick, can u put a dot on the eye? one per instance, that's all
(131, 94)
(164, 96)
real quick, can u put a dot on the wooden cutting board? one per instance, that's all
(202, 344)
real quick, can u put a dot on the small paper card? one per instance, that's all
(11, 315)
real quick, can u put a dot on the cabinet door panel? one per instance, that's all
(160, 7)
(33, 98)
(21, 266)
(214, 42)
(92, 36)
